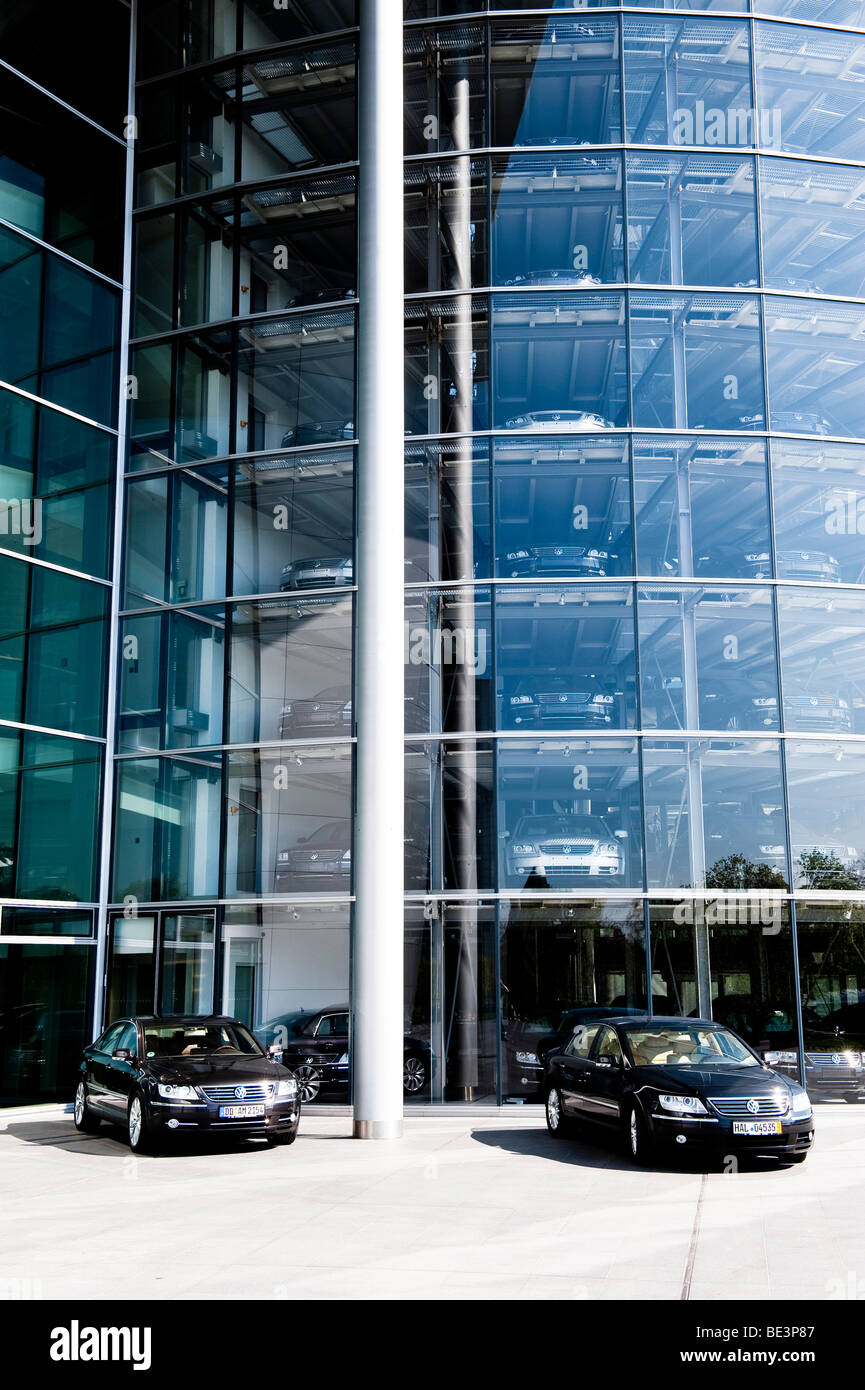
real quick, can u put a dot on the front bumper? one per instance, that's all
(202, 1117)
(715, 1135)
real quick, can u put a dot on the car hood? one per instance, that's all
(715, 1081)
(215, 1070)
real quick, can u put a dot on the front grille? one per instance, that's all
(227, 1093)
(736, 1107)
(555, 847)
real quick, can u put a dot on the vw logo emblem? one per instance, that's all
(753, 1107)
(566, 849)
(836, 1059)
(563, 699)
(240, 1092)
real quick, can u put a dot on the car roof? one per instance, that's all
(662, 1021)
(198, 1019)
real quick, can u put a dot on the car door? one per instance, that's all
(120, 1074)
(572, 1067)
(331, 1044)
(99, 1079)
(605, 1077)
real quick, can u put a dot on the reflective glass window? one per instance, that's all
(832, 984)
(298, 244)
(819, 511)
(562, 506)
(688, 82)
(448, 657)
(555, 82)
(48, 817)
(702, 504)
(445, 88)
(707, 658)
(827, 807)
(280, 961)
(565, 658)
(557, 221)
(564, 966)
(447, 510)
(176, 537)
(293, 524)
(288, 815)
(569, 813)
(298, 109)
(691, 219)
(815, 363)
(714, 814)
(181, 412)
(810, 88)
(291, 674)
(69, 65)
(171, 680)
(447, 366)
(559, 361)
(45, 1001)
(812, 227)
(263, 24)
(822, 634)
(296, 380)
(166, 830)
(446, 225)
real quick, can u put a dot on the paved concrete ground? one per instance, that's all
(464, 1207)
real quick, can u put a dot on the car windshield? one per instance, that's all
(198, 1039)
(333, 834)
(682, 1046)
(561, 825)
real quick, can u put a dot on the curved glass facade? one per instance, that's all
(634, 629)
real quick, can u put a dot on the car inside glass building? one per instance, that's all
(633, 591)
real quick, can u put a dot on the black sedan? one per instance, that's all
(315, 1046)
(161, 1077)
(678, 1084)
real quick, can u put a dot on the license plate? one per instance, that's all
(241, 1112)
(757, 1127)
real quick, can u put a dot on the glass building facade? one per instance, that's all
(634, 634)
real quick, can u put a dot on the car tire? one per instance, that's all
(138, 1128)
(557, 1123)
(276, 1141)
(85, 1121)
(413, 1075)
(309, 1082)
(639, 1142)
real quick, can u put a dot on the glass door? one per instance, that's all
(241, 973)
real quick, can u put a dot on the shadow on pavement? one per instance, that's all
(608, 1151)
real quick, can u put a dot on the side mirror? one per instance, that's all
(621, 834)
(274, 1053)
(123, 1055)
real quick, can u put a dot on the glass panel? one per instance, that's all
(688, 82)
(422, 1063)
(68, 65)
(43, 192)
(45, 1001)
(557, 221)
(187, 968)
(166, 839)
(298, 244)
(448, 661)
(299, 110)
(62, 645)
(702, 503)
(714, 814)
(38, 921)
(850, 13)
(563, 964)
(296, 381)
(569, 813)
(822, 637)
(819, 505)
(827, 807)
(815, 364)
(446, 225)
(753, 980)
(832, 980)
(565, 657)
(49, 805)
(811, 219)
(179, 33)
(291, 675)
(447, 524)
(171, 680)
(810, 89)
(289, 821)
(562, 507)
(445, 88)
(692, 220)
(555, 82)
(559, 361)
(294, 524)
(264, 24)
(469, 937)
(675, 967)
(131, 967)
(696, 362)
(707, 659)
(447, 366)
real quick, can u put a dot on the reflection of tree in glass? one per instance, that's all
(735, 871)
(821, 870)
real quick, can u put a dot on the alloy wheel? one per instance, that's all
(634, 1133)
(554, 1111)
(135, 1122)
(308, 1082)
(413, 1075)
(79, 1103)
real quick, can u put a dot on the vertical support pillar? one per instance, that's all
(377, 949)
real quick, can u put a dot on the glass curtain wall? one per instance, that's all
(634, 573)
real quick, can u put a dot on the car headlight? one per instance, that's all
(609, 847)
(343, 1060)
(516, 422)
(524, 849)
(287, 1088)
(530, 1058)
(169, 1091)
(683, 1105)
(773, 1058)
(800, 1105)
(605, 699)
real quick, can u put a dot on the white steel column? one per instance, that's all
(377, 953)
